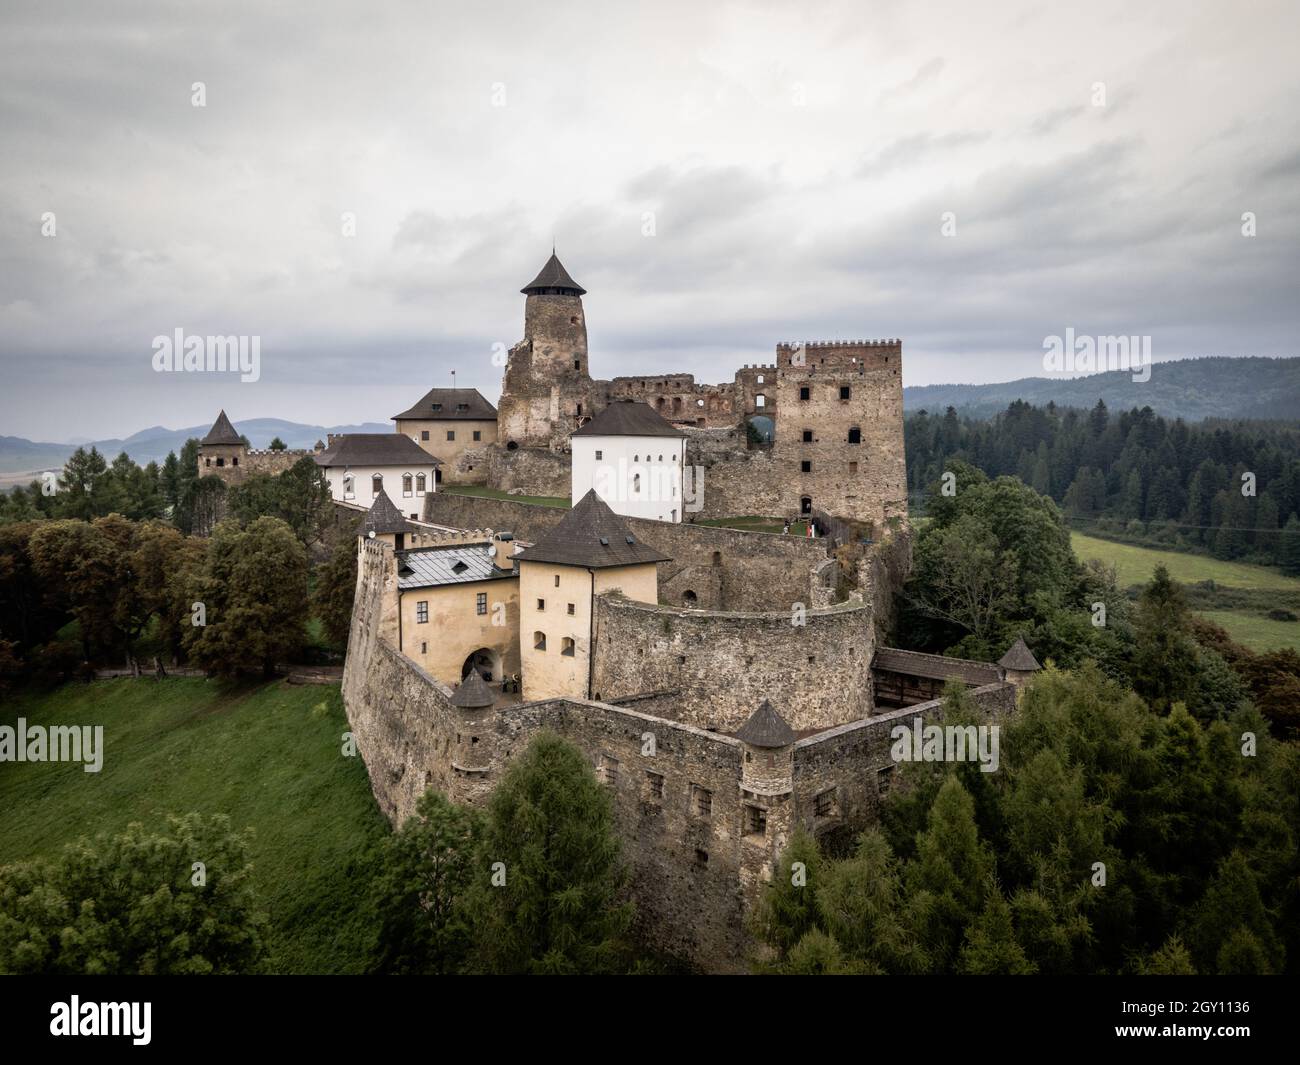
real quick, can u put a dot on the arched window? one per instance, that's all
(689, 598)
(717, 558)
(636, 482)
(421, 481)
(376, 484)
(805, 505)
(539, 640)
(566, 646)
(512, 446)
(407, 484)
(855, 435)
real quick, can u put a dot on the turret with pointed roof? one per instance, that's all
(553, 280)
(222, 432)
(473, 693)
(592, 536)
(766, 728)
(384, 519)
(1019, 663)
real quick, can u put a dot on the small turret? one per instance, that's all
(1018, 664)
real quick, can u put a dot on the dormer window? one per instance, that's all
(462, 406)
(436, 406)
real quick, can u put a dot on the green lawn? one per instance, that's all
(1255, 632)
(756, 523)
(496, 493)
(268, 756)
(1259, 586)
(1135, 565)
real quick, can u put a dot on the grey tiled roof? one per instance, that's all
(443, 404)
(766, 728)
(431, 567)
(553, 275)
(375, 449)
(590, 535)
(222, 432)
(1019, 657)
(626, 417)
(384, 517)
(473, 692)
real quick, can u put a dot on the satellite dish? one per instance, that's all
(492, 550)
(372, 534)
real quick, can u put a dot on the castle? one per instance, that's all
(727, 685)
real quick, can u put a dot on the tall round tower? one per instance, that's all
(554, 323)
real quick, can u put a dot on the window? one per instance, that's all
(807, 436)
(436, 406)
(235, 461)
(407, 484)
(760, 400)
(855, 435)
(804, 392)
(221, 462)
(599, 455)
(480, 603)
(462, 406)
(636, 482)
(805, 466)
(451, 434)
(701, 857)
(760, 379)
(755, 821)
(566, 647)
(844, 391)
(577, 364)
(420, 483)
(348, 491)
(478, 435)
(422, 612)
(541, 604)
(853, 468)
(701, 801)
(654, 785)
(557, 580)
(424, 434)
(824, 804)
(883, 776)
(207, 462)
(424, 648)
(539, 641)
(570, 610)
(376, 484)
(608, 770)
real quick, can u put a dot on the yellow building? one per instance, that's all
(448, 421)
(590, 551)
(458, 610)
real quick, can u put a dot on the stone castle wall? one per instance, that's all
(726, 568)
(269, 462)
(719, 666)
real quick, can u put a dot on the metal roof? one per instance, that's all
(625, 417)
(431, 567)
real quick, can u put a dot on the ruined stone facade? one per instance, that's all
(832, 414)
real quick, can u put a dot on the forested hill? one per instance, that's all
(1192, 389)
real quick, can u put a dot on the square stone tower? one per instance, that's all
(839, 434)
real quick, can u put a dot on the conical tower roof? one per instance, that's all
(222, 432)
(1019, 658)
(553, 276)
(590, 535)
(473, 692)
(766, 728)
(384, 517)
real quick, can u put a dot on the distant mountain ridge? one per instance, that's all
(18, 455)
(1192, 389)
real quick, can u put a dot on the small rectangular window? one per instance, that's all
(451, 434)
(701, 801)
(557, 580)
(424, 648)
(570, 609)
(608, 770)
(478, 434)
(804, 392)
(424, 434)
(805, 466)
(480, 603)
(654, 785)
(541, 604)
(853, 468)
(883, 778)
(755, 821)
(844, 391)
(599, 455)
(824, 804)
(422, 611)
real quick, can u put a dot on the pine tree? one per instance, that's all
(551, 845)
(1289, 547)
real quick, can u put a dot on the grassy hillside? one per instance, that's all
(268, 756)
(1260, 586)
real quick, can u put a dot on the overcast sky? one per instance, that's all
(798, 159)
